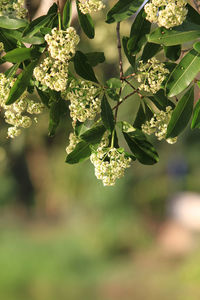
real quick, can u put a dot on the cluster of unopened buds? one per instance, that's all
(13, 8)
(167, 13)
(85, 100)
(15, 113)
(151, 75)
(53, 71)
(89, 6)
(158, 125)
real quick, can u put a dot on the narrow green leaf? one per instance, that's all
(81, 152)
(57, 110)
(67, 14)
(123, 10)
(141, 148)
(161, 101)
(9, 23)
(34, 40)
(21, 83)
(20, 54)
(181, 114)
(172, 52)
(192, 15)
(93, 135)
(139, 29)
(196, 116)
(86, 22)
(95, 58)
(131, 58)
(107, 115)
(9, 42)
(83, 68)
(37, 24)
(140, 117)
(183, 74)
(176, 36)
(44, 96)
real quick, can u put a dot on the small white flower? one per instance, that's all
(89, 6)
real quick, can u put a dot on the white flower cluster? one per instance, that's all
(89, 6)
(151, 75)
(53, 71)
(13, 8)
(15, 113)
(110, 164)
(85, 100)
(158, 125)
(167, 13)
(73, 141)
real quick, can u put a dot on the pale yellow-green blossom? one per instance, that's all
(151, 75)
(73, 141)
(158, 125)
(13, 8)
(110, 164)
(89, 6)
(167, 13)
(84, 100)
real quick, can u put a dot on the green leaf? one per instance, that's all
(107, 115)
(95, 58)
(57, 110)
(141, 148)
(21, 83)
(83, 68)
(139, 29)
(86, 22)
(181, 114)
(9, 42)
(10, 23)
(140, 117)
(192, 15)
(184, 73)
(131, 58)
(150, 50)
(172, 52)
(67, 14)
(114, 83)
(20, 54)
(93, 135)
(178, 35)
(123, 10)
(44, 96)
(53, 9)
(37, 24)
(196, 116)
(34, 40)
(196, 46)
(161, 101)
(81, 152)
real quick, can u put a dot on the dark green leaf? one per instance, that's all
(178, 35)
(140, 117)
(123, 10)
(53, 9)
(183, 74)
(67, 14)
(150, 50)
(93, 135)
(196, 116)
(9, 23)
(141, 148)
(161, 101)
(181, 114)
(192, 15)
(172, 52)
(95, 58)
(57, 110)
(131, 58)
(83, 68)
(37, 24)
(9, 42)
(107, 115)
(114, 83)
(44, 96)
(21, 83)
(139, 29)
(81, 152)
(86, 23)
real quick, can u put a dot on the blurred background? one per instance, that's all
(65, 236)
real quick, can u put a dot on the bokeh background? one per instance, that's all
(65, 236)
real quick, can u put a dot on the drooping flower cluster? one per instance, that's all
(89, 6)
(53, 71)
(151, 75)
(13, 8)
(110, 164)
(158, 125)
(15, 113)
(84, 98)
(167, 13)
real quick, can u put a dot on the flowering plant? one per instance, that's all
(163, 52)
